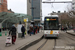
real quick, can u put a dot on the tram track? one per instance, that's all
(69, 35)
(42, 44)
(31, 44)
(53, 48)
(54, 44)
(65, 40)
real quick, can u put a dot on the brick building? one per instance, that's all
(3, 6)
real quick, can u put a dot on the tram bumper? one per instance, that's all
(51, 35)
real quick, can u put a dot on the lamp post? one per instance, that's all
(32, 13)
(32, 9)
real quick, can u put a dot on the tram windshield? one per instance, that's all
(51, 24)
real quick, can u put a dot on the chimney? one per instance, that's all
(64, 11)
(58, 11)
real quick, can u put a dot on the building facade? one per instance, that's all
(3, 6)
(37, 11)
(28, 7)
(73, 4)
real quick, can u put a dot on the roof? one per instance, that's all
(13, 17)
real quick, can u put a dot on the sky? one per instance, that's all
(20, 6)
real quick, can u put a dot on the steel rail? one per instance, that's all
(42, 44)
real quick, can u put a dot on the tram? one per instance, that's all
(51, 26)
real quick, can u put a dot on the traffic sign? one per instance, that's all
(25, 19)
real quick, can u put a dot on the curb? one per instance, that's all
(70, 33)
(28, 44)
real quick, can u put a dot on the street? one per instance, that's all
(64, 42)
(37, 25)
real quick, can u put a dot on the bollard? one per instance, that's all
(0, 34)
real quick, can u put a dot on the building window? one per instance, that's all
(72, 7)
(73, 3)
(0, 1)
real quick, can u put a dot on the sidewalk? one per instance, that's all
(5, 31)
(19, 41)
(71, 32)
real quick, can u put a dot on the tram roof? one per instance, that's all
(52, 16)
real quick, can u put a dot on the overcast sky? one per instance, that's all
(20, 6)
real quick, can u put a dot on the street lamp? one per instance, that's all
(32, 9)
(61, 20)
(32, 13)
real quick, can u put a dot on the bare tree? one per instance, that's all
(71, 15)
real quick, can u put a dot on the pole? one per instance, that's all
(32, 10)
(32, 15)
(61, 20)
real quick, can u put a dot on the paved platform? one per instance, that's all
(71, 32)
(20, 42)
